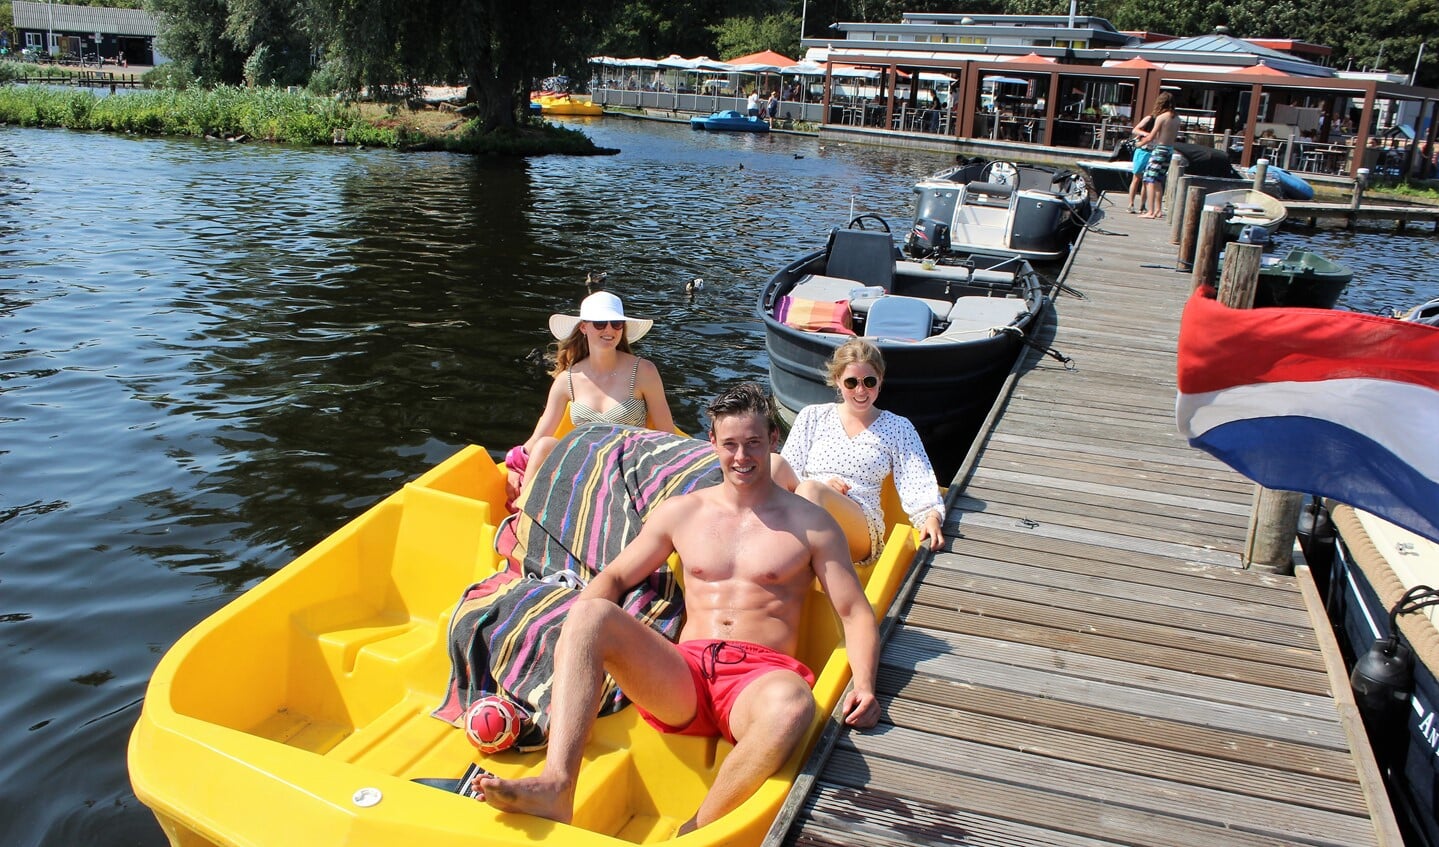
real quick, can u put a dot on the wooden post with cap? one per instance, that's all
(1274, 515)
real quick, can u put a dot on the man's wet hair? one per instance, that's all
(746, 398)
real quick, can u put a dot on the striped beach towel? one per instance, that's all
(815, 315)
(588, 501)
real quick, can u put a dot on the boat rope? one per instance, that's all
(1416, 598)
(1089, 223)
(1048, 351)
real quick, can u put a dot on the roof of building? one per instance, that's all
(1219, 42)
(1293, 46)
(1096, 32)
(62, 17)
(1052, 21)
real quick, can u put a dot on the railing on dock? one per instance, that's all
(85, 78)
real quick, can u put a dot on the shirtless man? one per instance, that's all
(1161, 137)
(750, 550)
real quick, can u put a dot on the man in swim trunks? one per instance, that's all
(750, 550)
(1163, 132)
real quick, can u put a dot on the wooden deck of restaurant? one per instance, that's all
(1085, 663)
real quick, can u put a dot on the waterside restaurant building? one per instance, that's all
(1073, 86)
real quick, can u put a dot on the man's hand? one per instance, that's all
(861, 709)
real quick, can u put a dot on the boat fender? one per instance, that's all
(1317, 536)
(1383, 678)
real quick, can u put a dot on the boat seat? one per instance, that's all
(865, 256)
(980, 317)
(993, 189)
(899, 318)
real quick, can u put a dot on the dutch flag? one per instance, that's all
(1336, 404)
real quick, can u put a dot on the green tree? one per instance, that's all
(192, 34)
(498, 49)
(742, 36)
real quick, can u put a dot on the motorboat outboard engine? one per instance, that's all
(933, 213)
(927, 238)
(1254, 234)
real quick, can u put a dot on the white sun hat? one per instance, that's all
(600, 306)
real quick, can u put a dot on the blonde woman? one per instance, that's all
(838, 456)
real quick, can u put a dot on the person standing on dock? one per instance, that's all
(1161, 136)
(752, 103)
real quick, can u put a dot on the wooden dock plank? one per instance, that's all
(1112, 786)
(1084, 662)
(1043, 715)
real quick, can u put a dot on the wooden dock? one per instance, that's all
(1402, 216)
(1085, 663)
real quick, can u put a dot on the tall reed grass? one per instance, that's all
(270, 114)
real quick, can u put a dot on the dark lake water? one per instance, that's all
(213, 355)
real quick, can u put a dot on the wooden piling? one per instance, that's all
(1189, 212)
(1177, 166)
(1361, 181)
(1261, 169)
(1241, 275)
(1206, 249)
(1274, 514)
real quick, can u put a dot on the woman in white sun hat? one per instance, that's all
(598, 376)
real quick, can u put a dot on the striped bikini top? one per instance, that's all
(632, 411)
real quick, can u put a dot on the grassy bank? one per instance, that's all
(269, 114)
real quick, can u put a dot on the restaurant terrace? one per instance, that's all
(1060, 85)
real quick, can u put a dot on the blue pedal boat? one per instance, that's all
(729, 121)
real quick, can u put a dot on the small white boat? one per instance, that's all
(998, 208)
(1249, 208)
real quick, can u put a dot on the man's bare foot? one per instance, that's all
(687, 827)
(530, 796)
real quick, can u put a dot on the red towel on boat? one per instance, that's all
(815, 315)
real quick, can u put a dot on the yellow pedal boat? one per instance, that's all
(299, 713)
(564, 104)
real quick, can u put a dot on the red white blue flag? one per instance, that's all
(1332, 403)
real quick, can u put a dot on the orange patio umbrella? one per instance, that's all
(1260, 69)
(1138, 63)
(1030, 58)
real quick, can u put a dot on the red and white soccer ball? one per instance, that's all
(492, 724)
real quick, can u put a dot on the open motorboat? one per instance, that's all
(1001, 208)
(950, 329)
(1300, 278)
(1375, 592)
(729, 121)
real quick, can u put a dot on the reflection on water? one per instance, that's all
(211, 355)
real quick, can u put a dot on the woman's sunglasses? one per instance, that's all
(610, 324)
(852, 383)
